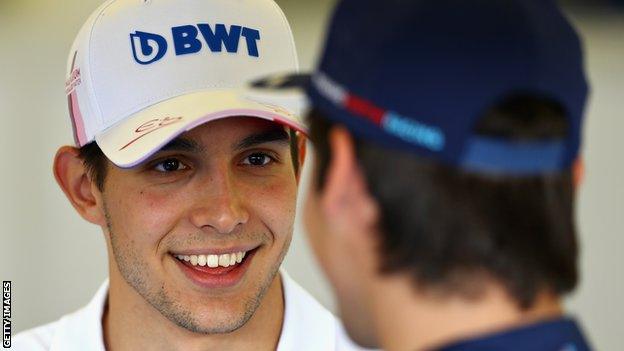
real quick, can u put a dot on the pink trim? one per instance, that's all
(297, 126)
(81, 136)
(212, 117)
(271, 116)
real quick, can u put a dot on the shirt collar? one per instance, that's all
(304, 319)
(82, 330)
(307, 324)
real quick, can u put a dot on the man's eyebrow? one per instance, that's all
(182, 144)
(278, 134)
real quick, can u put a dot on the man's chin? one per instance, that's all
(358, 327)
(212, 315)
(206, 320)
(212, 327)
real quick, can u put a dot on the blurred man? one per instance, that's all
(193, 183)
(442, 200)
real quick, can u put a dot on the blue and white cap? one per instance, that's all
(141, 72)
(418, 75)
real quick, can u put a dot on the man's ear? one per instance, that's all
(302, 146)
(345, 197)
(71, 175)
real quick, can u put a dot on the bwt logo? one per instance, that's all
(149, 47)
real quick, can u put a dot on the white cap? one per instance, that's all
(141, 72)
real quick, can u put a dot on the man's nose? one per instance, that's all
(219, 204)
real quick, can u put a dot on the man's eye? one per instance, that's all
(257, 159)
(170, 165)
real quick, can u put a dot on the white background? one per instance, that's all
(56, 260)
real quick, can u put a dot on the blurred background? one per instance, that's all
(56, 260)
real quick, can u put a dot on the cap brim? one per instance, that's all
(139, 136)
(287, 90)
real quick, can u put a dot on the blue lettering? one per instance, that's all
(148, 47)
(185, 40)
(414, 132)
(251, 36)
(221, 37)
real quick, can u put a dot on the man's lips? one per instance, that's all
(214, 258)
(203, 271)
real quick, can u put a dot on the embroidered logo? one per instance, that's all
(150, 127)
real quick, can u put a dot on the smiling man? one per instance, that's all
(193, 182)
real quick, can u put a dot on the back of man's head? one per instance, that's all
(449, 229)
(466, 121)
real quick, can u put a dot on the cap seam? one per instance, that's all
(532, 80)
(290, 33)
(96, 103)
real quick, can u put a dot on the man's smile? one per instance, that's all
(214, 257)
(212, 261)
(215, 269)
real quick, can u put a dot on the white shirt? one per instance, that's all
(307, 326)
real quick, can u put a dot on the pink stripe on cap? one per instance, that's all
(79, 132)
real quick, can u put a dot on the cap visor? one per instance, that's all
(285, 89)
(139, 136)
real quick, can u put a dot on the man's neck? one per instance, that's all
(408, 320)
(130, 323)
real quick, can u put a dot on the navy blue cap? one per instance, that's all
(418, 75)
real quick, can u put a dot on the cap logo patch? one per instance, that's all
(148, 48)
(151, 126)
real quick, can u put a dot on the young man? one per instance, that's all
(442, 203)
(193, 183)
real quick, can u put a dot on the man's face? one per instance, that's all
(330, 233)
(225, 187)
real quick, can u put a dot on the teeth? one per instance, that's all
(213, 261)
(223, 260)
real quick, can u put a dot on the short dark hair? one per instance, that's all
(96, 163)
(448, 228)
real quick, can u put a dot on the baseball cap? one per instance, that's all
(141, 72)
(418, 76)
